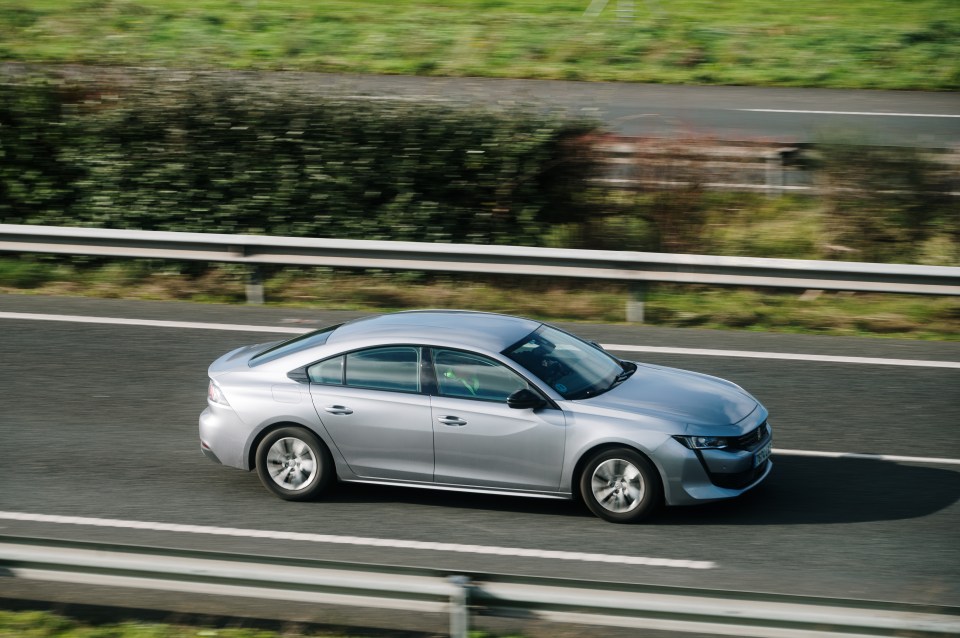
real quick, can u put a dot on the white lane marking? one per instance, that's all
(847, 113)
(868, 457)
(192, 325)
(919, 363)
(396, 98)
(358, 540)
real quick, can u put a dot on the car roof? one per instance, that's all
(482, 330)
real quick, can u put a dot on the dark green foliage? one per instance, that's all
(883, 202)
(35, 179)
(935, 31)
(219, 153)
(26, 272)
(210, 155)
(678, 217)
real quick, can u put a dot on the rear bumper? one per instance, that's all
(207, 452)
(221, 437)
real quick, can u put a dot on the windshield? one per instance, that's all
(574, 368)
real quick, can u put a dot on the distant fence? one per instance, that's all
(638, 268)
(774, 168)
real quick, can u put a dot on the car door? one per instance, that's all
(371, 404)
(479, 440)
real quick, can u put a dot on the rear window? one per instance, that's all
(297, 344)
(391, 368)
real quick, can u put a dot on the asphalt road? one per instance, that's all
(908, 118)
(786, 115)
(101, 421)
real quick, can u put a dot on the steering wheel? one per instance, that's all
(553, 369)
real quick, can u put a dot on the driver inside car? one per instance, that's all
(457, 376)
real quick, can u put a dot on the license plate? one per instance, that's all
(762, 455)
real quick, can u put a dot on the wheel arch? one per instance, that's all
(603, 447)
(251, 455)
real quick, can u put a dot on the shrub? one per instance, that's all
(213, 155)
(35, 179)
(883, 203)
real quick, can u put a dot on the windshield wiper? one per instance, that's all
(597, 390)
(623, 376)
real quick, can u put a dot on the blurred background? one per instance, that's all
(239, 116)
(824, 129)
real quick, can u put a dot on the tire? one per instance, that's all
(294, 464)
(621, 486)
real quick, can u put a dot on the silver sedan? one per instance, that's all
(481, 402)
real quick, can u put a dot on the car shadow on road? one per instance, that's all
(804, 490)
(799, 490)
(360, 493)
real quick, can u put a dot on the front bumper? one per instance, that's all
(712, 475)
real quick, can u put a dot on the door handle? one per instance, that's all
(338, 409)
(451, 420)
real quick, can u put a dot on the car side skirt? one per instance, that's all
(563, 496)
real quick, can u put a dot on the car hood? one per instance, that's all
(680, 395)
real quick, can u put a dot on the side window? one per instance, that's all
(389, 368)
(469, 376)
(329, 372)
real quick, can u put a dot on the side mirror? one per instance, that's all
(525, 398)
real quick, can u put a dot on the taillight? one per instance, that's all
(215, 394)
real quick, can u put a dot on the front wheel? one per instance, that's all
(621, 486)
(294, 464)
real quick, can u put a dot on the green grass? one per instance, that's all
(829, 313)
(41, 624)
(38, 624)
(851, 44)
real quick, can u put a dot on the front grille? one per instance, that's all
(751, 438)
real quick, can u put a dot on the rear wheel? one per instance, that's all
(621, 486)
(294, 464)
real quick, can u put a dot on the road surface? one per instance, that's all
(99, 421)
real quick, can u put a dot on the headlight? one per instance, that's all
(215, 394)
(704, 442)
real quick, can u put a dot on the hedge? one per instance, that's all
(211, 154)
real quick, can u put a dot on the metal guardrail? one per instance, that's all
(635, 267)
(459, 594)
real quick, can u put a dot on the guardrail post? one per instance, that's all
(775, 177)
(636, 294)
(459, 614)
(255, 286)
